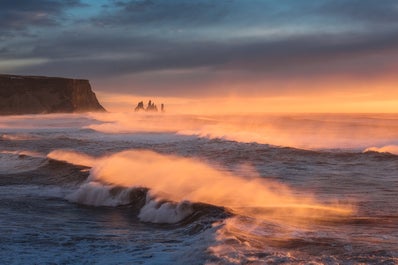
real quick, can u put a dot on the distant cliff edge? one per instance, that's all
(39, 94)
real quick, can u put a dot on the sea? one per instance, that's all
(144, 188)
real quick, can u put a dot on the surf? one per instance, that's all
(183, 181)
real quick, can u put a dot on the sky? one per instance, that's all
(241, 55)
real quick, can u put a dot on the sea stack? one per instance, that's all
(40, 94)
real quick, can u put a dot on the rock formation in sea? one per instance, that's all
(140, 106)
(151, 107)
(39, 94)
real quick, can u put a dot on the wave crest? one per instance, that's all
(174, 181)
(72, 157)
(392, 149)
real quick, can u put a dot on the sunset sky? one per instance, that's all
(253, 55)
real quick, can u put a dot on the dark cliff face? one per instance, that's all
(33, 95)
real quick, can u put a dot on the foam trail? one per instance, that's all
(179, 179)
(392, 149)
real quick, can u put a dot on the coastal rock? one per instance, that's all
(39, 94)
(151, 107)
(140, 106)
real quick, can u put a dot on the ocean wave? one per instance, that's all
(29, 190)
(23, 153)
(72, 157)
(17, 169)
(19, 161)
(149, 208)
(175, 181)
(310, 132)
(155, 211)
(97, 194)
(18, 137)
(242, 240)
(392, 149)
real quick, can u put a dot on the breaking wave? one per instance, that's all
(72, 157)
(174, 183)
(19, 161)
(392, 149)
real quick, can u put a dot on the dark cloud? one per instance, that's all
(241, 13)
(131, 37)
(368, 11)
(21, 14)
(134, 13)
(101, 56)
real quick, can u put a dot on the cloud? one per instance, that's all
(183, 41)
(22, 14)
(108, 55)
(136, 13)
(366, 11)
(184, 14)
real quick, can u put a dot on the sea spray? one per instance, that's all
(178, 179)
(392, 149)
(72, 157)
(33, 202)
(305, 131)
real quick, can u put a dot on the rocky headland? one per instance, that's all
(40, 94)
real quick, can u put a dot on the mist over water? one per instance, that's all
(189, 189)
(308, 131)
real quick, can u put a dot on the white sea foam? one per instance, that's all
(96, 194)
(155, 211)
(166, 212)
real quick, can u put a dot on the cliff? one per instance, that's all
(39, 94)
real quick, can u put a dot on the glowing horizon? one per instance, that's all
(327, 103)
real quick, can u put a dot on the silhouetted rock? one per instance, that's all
(38, 94)
(140, 106)
(151, 107)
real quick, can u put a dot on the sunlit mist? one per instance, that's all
(181, 179)
(310, 131)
